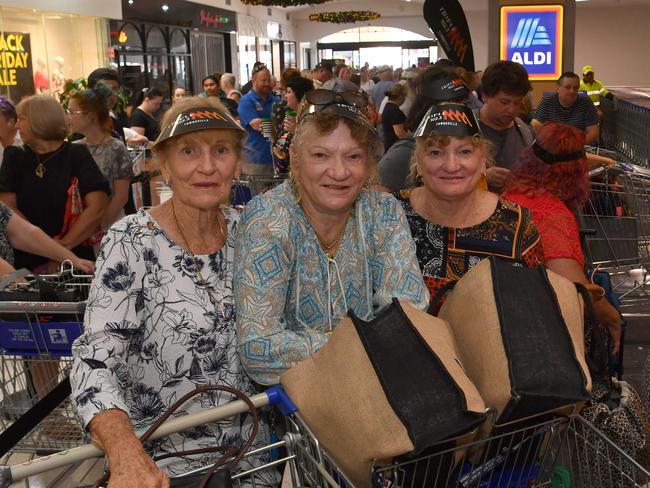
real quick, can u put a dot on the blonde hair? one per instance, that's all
(323, 123)
(47, 119)
(422, 143)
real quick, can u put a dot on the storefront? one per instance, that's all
(260, 40)
(165, 45)
(40, 50)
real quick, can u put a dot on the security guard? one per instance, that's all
(594, 88)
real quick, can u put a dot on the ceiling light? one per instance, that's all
(165, 7)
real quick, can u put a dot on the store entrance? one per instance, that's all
(400, 54)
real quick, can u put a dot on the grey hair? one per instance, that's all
(229, 78)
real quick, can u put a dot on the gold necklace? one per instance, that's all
(40, 167)
(327, 247)
(196, 266)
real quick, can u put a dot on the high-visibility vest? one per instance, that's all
(594, 90)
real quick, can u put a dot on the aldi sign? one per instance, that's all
(532, 36)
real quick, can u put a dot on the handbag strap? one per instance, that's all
(442, 291)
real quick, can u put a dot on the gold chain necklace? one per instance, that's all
(327, 247)
(217, 303)
(40, 167)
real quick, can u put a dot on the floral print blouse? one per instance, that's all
(6, 251)
(289, 295)
(152, 333)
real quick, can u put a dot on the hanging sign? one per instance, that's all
(532, 36)
(16, 77)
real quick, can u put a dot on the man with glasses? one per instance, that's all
(255, 116)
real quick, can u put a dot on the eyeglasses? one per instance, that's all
(74, 112)
(328, 97)
(258, 68)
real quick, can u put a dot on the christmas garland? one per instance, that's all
(283, 3)
(345, 17)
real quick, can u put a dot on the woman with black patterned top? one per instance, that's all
(455, 222)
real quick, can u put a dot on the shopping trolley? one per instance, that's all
(252, 185)
(544, 450)
(303, 462)
(616, 221)
(35, 344)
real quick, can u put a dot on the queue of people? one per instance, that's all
(191, 292)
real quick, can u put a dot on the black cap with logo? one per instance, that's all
(449, 119)
(196, 119)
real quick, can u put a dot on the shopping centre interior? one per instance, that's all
(51, 46)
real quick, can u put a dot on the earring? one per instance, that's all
(167, 183)
(483, 182)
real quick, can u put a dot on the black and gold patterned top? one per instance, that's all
(445, 253)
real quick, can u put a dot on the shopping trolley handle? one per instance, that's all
(278, 397)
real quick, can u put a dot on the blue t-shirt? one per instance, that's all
(251, 106)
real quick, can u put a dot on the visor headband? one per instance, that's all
(550, 158)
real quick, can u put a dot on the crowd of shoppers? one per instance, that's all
(190, 292)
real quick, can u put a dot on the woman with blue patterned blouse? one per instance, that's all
(160, 316)
(320, 244)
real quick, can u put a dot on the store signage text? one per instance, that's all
(13, 57)
(210, 20)
(532, 36)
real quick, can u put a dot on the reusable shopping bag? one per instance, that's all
(384, 388)
(520, 335)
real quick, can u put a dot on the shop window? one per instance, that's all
(128, 38)
(156, 41)
(247, 57)
(264, 51)
(289, 54)
(49, 48)
(180, 59)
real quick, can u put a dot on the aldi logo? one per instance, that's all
(532, 36)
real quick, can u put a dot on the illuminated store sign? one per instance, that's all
(532, 36)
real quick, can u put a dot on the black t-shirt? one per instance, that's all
(392, 115)
(140, 118)
(42, 200)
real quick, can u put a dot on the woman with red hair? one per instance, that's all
(551, 180)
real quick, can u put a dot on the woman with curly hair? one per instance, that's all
(551, 180)
(454, 221)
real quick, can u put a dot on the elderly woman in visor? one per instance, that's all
(454, 220)
(160, 318)
(320, 244)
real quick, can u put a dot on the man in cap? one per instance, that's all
(323, 72)
(253, 108)
(594, 88)
(504, 86)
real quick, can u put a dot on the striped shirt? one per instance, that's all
(580, 115)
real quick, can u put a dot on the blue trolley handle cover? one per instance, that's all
(279, 398)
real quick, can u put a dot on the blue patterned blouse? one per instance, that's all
(289, 295)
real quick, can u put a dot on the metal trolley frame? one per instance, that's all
(616, 221)
(35, 342)
(548, 450)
